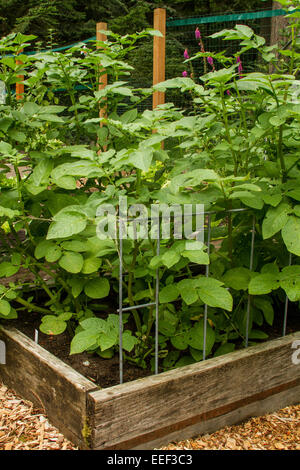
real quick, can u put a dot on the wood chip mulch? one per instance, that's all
(23, 427)
(276, 431)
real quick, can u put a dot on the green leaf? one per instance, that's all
(66, 182)
(167, 324)
(263, 284)
(52, 325)
(294, 194)
(97, 288)
(212, 294)
(128, 341)
(196, 337)
(168, 294)
(289, 280)
(196, 256)
(53, 254)
(224, 349)
(42, 248)
(74, 245)
(97, 325)
(80, 168)
(82, 341)
(290, 234)
(266, 307)
(180, 340)
(169, 258)
(91, 265)
(141, 158)
(188, 290)
(257, 334)
(69, 224)
(277, 121)
(76, 285)
(71, 262)
(5, 307)
(39, 178)
(237, 278)
(7, 269)
(107, 340)
(275, 219)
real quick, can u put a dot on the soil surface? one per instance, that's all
(103, 372)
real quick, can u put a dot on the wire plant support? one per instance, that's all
(121, 224)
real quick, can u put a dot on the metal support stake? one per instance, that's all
(286, 306)
(249, 297)
(157, 301)
(206, 274)
(121, 301)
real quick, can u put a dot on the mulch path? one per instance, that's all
(23, 427)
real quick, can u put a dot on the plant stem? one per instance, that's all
(31, 306)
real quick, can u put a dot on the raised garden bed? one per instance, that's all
(153, 410)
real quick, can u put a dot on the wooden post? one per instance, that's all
(103, 79)
(278, 25)
(20, 85)
(159, 55)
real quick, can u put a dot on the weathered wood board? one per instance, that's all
(149, 412)
(49, 383)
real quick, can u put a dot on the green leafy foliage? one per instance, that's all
(235, 154)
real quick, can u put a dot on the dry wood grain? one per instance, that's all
(48, 382)
(148, 409)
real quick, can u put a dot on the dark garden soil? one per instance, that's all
(103, 372)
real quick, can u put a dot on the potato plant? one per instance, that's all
(238, 148)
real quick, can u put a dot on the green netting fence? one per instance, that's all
(181, 31)
(181, 35)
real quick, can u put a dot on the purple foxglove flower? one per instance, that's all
(184, 73)
(210, 60)
(186, 54)
(197, 33)
(240, 67)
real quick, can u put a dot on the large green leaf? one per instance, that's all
(129, 341)
(168, 294)
(291, 235)
(290, 281)
(97, 288)
(196, 337)
(188, 290)
(212, 294)
(71, 262)
(83, 340)
(67, 225)
(4, 307)
(263, 284)
(237, 278)
(275, 219)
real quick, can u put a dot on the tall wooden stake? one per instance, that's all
(20, 85)
(103, 78)
(159, 54)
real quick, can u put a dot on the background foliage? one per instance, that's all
(72, 20)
